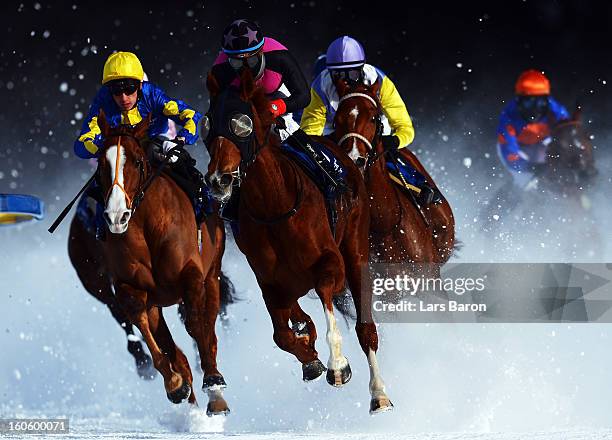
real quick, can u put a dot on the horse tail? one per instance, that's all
(227, 293)
(343, 302)
(457, 246)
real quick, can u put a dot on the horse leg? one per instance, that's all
(134, 302)
(338, 368)
(443, 226)
(88, 261)
(303, 325)
(182, 313)
(354, 252)
(144, 363)
(366, 333)
(162, 335)
(280, 313)
(201, 307)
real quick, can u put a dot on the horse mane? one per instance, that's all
(250, 91)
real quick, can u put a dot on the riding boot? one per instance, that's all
(429, 195)
(95, 192)
(334, 174)
(100, 223)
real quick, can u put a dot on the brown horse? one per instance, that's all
(285, 236)
(87, 258)
(155, 262)
(401, 231)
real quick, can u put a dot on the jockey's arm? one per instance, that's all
(510, 149)
(558, 109)
(181, 113)
(314, 116)
(396, 113)
(86, 145)
(283, 62)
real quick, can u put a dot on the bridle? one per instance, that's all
(372, 154)
(253, 148)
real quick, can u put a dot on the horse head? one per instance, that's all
(122, 167)
(357, 123)
(239, 121)
(571, 153)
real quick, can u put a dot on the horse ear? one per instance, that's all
(140, 129)
(342, 87)
(212, 85)
(247, 85)
(103, 123)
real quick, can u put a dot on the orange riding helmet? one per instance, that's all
(532, 83)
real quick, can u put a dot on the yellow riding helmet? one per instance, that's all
(121, 65)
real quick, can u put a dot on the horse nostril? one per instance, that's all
(125, 217)
(207, 180)
(107, 218)
(360, 162)
(225, 180)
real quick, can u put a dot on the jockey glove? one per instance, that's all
(278, 107)
(390, 143)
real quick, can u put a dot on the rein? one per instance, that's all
(242, 171)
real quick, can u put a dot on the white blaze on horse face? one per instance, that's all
(354, 154)
(354, 113)
(336, 360)
(116, 205)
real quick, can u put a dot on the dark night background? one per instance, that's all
(454, 64)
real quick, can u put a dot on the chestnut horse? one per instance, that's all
(400, 230)
(153, 259)
(285, 235)
(87, 258)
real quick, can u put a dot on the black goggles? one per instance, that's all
(238, 63)
(119, 88)
(349, 75)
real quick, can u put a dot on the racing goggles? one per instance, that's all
(251, 62)
(353, 75)
(123, 87)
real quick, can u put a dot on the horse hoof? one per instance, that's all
(213, 382)
(217, 407)
(180, 394)
(145, 368)
(337, 378)
(379, 405)
(312, 370)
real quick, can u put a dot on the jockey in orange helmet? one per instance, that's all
(525, 125)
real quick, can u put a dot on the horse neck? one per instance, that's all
(265, 180)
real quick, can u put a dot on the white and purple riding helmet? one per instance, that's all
(345, 59)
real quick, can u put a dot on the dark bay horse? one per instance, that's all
(400, 230)
(285, 235)
(153, 259)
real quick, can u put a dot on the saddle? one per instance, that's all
(320, 164)
(404, 175)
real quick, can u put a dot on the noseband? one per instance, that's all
(372, 155)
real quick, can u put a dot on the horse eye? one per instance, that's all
(241, 125)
